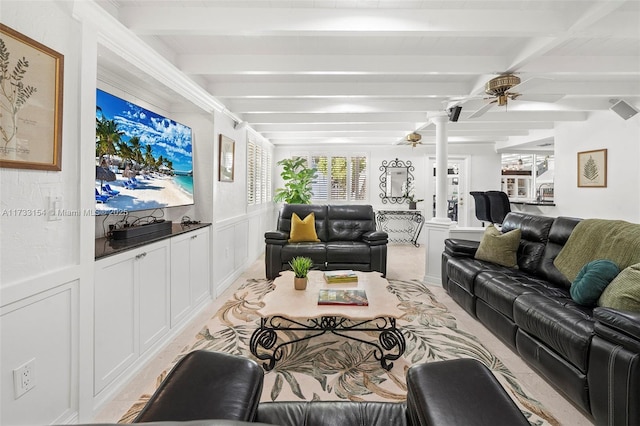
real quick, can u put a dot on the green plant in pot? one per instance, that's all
(297, 181)
(300, 266)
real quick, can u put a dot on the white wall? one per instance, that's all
(47, 267)
(39, 273)
(621, 198)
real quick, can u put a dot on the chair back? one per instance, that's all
(498, 205)
(483, 212)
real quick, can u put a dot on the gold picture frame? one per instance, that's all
(592, 169)
(226, 159)
(31, 98)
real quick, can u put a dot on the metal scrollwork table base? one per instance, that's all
(269, 341)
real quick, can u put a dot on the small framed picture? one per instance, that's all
(592, 169)
(226, 159)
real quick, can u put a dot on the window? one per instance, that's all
(340, 178)
(258, 174)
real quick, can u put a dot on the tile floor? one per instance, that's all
(404, 262)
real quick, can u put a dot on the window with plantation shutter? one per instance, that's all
(258, 174)
(339, 178)
(251, 172)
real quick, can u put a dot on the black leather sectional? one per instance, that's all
(348, 239)
(591, 355)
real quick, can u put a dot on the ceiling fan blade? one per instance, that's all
(482, 110)
(528, 84)
(540, 98)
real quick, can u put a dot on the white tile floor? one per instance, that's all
(404, 262)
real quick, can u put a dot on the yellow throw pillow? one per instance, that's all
(499, 248)
(303, 230)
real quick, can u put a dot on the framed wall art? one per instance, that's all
(31, 102)
(592, 169)
(226, 158)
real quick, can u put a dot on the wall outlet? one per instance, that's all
(24, 378)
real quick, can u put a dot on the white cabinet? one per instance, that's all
(140, 296)
(190, 273)
(517, 186)
(131, 308)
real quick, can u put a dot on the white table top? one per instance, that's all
(288, 302)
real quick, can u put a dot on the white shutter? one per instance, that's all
(251, 173)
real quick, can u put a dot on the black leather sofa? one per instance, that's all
(220, 388)
(592, 355)
(348, 239)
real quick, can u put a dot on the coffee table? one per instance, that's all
(287, 309)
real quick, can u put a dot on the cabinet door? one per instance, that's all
(153, 277)
(200, 267)
(180, 278)
(115, 346)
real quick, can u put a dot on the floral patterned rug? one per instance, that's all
(333, 368)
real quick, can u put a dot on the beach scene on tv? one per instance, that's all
(143, 159)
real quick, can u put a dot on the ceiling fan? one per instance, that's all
(508, 87)
(413, 139)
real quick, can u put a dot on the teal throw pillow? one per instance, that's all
(591, 281)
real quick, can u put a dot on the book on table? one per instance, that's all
(354, 297)
(347, 276)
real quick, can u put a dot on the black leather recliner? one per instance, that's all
(348, 239)
(213, 385)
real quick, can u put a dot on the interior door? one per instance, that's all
(457, 184)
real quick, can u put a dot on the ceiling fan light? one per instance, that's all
(414, 137)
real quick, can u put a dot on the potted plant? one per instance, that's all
(300, 266)
(408, 193)
(297, 181)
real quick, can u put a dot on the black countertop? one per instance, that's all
(106, 247)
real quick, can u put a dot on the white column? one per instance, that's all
(442, 163)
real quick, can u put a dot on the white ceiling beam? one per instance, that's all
(540, 46)
(343, 105)
(461, 126)
(171, 20)
(389, 134)
(289, 90)
(408, 117)
(338, 64)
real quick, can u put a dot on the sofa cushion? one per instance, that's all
(558, 236)
(499, 248)
(316, 251)
(303, 230)
(535, 234)
(349, 222)
(624, 291)
(348, 252)
(592, 280)
(561, 324)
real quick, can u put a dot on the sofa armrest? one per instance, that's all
(375, 238)
(276, 237)
(619, 327)
(460, 248)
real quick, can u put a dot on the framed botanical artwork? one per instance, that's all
(31, 103)
(592, 169)
(226, 158)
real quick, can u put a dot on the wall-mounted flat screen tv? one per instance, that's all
(143, 159)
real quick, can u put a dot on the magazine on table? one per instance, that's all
(355, 297)
(347, 276)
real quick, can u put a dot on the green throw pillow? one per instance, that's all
(499, 248)
(591, 281)
(624, 291)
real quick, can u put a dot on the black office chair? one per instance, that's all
(483, 211)
(499, 205)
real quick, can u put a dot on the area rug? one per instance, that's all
(333, 368)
